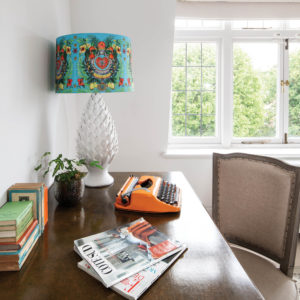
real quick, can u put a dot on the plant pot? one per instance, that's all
(68, 193)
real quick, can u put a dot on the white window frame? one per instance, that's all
(224, 85)
(277, 139)
(205, 140)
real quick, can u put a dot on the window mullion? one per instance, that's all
(227, 90)
(285, 94)
(280, 92)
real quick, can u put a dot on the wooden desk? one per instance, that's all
(208, 270)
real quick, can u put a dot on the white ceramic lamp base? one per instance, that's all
(97, 177)
(97, 141)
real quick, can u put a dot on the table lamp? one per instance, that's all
(94, 63)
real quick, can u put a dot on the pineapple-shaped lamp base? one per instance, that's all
(97, 141)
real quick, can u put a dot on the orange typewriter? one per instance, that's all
(149, 194)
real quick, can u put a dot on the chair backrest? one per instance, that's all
(256, 205)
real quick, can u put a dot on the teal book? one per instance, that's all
(20, 194)
(12, 213)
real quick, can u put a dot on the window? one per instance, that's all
(294, 89)
(238, 82)
(182, 24)
(194, 89)
(256, 24)
(255, 99)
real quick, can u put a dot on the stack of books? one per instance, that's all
(22, 221)
(18, 234)
(129, 258)
(36, 192)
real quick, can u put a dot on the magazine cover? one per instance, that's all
(121, 252)
(134, 286)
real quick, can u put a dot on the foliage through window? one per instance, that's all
(255, 89)
(238, 83)
(194, 89)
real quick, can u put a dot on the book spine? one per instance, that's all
(24, 229)
(11, 266)
(29, 249)
(9, 258)
(7, 233)
(16, 246)
(23, 239)
(28, 244)
(8, 227)
(36, 229)
(45, 205)
(42, 207)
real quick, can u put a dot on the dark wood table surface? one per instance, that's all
(207, 270)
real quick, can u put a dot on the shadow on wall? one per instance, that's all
(48, 105)
(33, 106)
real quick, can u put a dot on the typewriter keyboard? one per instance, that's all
(168, 193)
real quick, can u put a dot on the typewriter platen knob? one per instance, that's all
(125, 200)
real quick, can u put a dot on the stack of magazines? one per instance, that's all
(129, 258)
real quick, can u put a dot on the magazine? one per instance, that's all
(134, 286)
(121, 252)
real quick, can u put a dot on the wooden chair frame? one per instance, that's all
(288, 261)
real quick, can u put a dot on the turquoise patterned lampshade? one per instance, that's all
(93, 63)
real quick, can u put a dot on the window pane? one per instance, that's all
(208, 78)
(256, 24)
(293, 24)
(209, 54)
(178, 79)
(178, 103)
(193, 125)
(179, 54)
(179, 23)
(183, 24)
(178, 125)
(294, 90)
(194, 101)
(194, 78)
(194, 54)
(255, 89)
(208, 125)
(209, 103)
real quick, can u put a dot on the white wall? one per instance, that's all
(141, 117)
(32, 117)
(235, 11)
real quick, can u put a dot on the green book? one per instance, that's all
(24, 223)
(20, 228)
(12, 213)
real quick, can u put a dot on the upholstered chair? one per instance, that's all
(256, 208)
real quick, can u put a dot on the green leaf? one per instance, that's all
(96, 164)
(38, 167)
(55, 170)
(45, 154)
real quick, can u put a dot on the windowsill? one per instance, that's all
(286, 152)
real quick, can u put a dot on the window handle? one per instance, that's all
(284, 83)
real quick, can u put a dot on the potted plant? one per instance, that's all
(68, 178)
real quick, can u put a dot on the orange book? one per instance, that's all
(45, 205)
